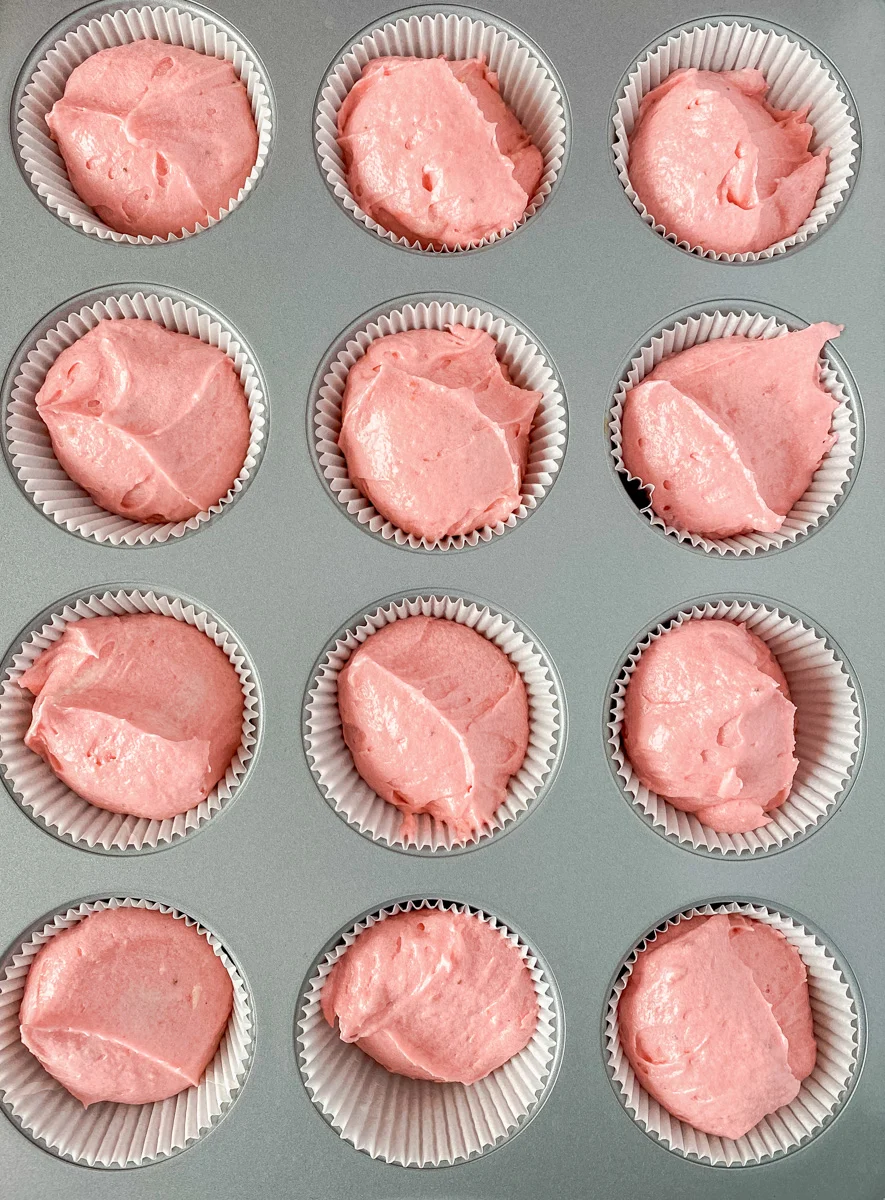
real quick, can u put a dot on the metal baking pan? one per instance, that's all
(277, 874)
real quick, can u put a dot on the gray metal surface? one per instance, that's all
(279, 873)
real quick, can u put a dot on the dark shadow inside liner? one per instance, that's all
(637, 493)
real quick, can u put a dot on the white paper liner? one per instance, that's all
(29, 446)
(331, 762)
(108, 1134)
(835, 1011)
(797, 77)
(528, 86)
(828, 732)
(417, 1122)
(830, 479)
(36, 787)
(39, 154)
(528, 367)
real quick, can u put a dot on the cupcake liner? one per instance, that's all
(85, 33)
(108, 1134)
(828, 731)
(28, 445)
(831, 480)
(330, 759)
(798, 76)
(38, 790)
(529, 85)
(416, 1122)
(838, 1028)
(529, 366)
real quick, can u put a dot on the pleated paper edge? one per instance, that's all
(837, 181)
(842, 456)
(75, 510)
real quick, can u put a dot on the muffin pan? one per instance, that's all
(283, 880)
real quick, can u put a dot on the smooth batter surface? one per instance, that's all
(730, 432)
(156, 139)
(719, 167)
(716, 1022)
(433, 995)
(436, 718)
(434, 433)
(153, 424)
(709, 725)
(127, 1005)
(433, 153)
(139, 714)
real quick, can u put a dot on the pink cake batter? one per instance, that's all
(156, 139)
(709, 725)
(127, 1005)
(153, 424)
(433, 153)
(139, 714)
(433, 995)
(720, 168)
(716, 1022)
(434, 433)
(730, 432)
(436, 718)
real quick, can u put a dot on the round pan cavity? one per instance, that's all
(107, 1134)
(332, 765)
(833, 479)
(27, 445)
(98, 27)
(529, 365)
(798, 74)
(829, 729)
(839, 1029)
(415, 1122)
(36, 788)
(528, 81)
